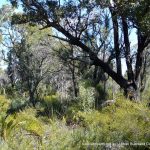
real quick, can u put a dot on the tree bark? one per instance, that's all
(75, 87)
(131, 87)
(130, 84)
(127, 50)
(116, 41)
(96, 61)
(32, 98)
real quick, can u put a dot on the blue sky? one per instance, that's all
(132, 36)
(2, 2)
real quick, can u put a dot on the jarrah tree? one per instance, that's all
(98, 28)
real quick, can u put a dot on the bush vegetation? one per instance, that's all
(74, 75)
(122, 122)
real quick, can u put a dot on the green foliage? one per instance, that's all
(45, 90)
(29, 59)
(22, 128)
(86, 96)
(52, 106)
(54, 124)
(101, 95)
(51, 102)
(123, 121)
(17, 103)
(4, 103)
(30, 123)
(10, 92)
(60, 136)
(8, 125)
(34, 34)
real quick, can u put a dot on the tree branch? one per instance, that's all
(96, 61)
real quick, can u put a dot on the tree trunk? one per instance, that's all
(32, 98)
(116, 41)
(127, 50)
(75, 88)
(73, 71)
(132, 91)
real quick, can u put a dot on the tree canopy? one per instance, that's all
(90, 24)
(65, 82)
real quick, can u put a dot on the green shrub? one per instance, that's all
(17, 104)
(123, 121)
(86, 96)
(22, 130)
(11, 92)
(52, 105)
(4, 105)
